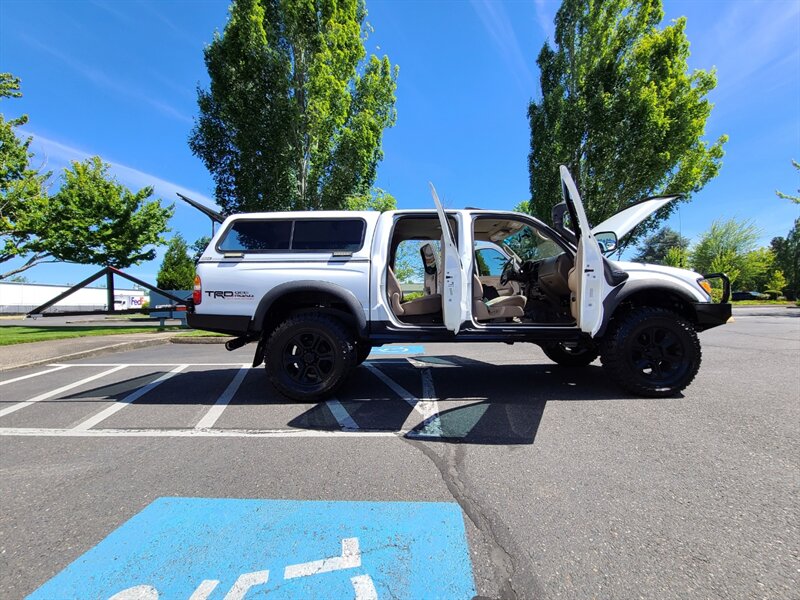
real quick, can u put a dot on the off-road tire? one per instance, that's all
(565, 356)
(362, 351)
(651, 352)
(308, 356)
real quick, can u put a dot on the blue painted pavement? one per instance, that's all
(398, 350)
(210, 549)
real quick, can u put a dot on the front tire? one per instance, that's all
(576, 355)
(652, 352)
(308, 356)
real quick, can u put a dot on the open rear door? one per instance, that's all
(587, 282)
(454, 308)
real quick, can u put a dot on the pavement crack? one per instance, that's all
(507, 577)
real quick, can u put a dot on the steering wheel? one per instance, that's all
(508, 268)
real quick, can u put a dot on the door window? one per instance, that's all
(490, 262)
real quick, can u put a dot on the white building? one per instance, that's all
(20, 298)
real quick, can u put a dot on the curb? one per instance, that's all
(120, 347)
(200, 340)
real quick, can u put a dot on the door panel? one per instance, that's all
(454, 309)
(589, 286)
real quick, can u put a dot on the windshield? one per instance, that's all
(530, 244)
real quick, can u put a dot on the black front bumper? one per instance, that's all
(228, 324)
(707, 315)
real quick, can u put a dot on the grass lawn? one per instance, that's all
(200, 333)
(762, 303)
(14, 334)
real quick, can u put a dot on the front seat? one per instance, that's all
(502, 307)
(426, 305)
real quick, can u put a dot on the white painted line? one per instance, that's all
(146, 364)
(393, 385)
(244, 582)
(120, 404)
(429, 408)
(56, 392)
(350, 559)
(364, 588)
(33, 375)
(187, 433)
(215, 412)
(204, 590)
(341, 415)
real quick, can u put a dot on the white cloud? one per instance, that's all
(496, 21)
(100, 79)
(752, 41)
(129, 176)
(545, 17)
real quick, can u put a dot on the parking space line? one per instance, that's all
(431, 424)
(57, 391)
(341, 415)
(232, 433)
(215, 411)
(427, 407)
(119, 405)
(58, 368)
(392, 384)
(163, 364)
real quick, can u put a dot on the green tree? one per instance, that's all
(177, 268)
(655, 247)
(198, 247)
(795, 199)
(727, 247)
(787, 259)
(94, 219)
(621, 109)
(757, 269)
(776, 281)
(23, 197)
(378, 200)
(677, 257)
(294, 115)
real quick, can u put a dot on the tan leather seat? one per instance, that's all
(502, 307)
(426, 305)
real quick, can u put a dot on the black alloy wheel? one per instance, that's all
(309, 355)
(651, 352)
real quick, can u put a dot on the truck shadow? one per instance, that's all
(478, 402)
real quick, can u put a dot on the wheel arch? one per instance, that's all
(321, 296)
(642, 293)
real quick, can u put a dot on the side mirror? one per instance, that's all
(607, 240)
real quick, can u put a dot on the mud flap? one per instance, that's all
(258, 357)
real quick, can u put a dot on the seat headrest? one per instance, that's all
(428, 258)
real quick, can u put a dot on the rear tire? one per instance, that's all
(309, 356)
(652, 352)
(579, 355)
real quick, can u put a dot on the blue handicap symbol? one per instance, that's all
(394, 349)
(214, 549)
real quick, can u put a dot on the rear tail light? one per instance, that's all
(197, 292)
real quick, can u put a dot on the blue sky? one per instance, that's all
(118, 79)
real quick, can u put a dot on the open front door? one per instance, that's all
(454, 308)
(586, 281)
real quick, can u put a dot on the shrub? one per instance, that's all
(773, 294)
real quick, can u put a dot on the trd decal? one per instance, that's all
(229, 294)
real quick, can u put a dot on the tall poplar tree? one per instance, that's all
(295, 112)
(621, 109)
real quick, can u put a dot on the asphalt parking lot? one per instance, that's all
(442, 470)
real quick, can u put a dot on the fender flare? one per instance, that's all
(628, 288)
(343, 294)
